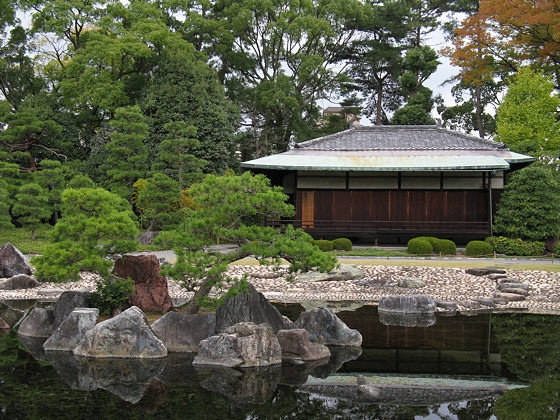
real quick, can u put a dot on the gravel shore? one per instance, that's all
(442, 284)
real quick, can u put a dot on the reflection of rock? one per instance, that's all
(243, 345)
(296, 373)
(35, 346)
(150, 287)
(296, 346)
(183, 332)
(39, 323)
(66, 303)
(339, 356)
(408, 304)
(342, 273)
(9, 315)
(75, 372)
(325, 327)
(407, 320)
(126, 378)
(246, 386)
(179, 370)
(125, 335)
(153, 398)
(12, 262)
(333, 306)
(250, 307)
(72, 330)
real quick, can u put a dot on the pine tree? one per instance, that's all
(32, 206)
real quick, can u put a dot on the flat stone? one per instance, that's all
(486, 302)
(503, 286)
(508, 280)
(516, 291)
(510, 297)
(484, 271)
(448, 306)
(470, 304)
(183, 332)
(72, 329)
(497, 276)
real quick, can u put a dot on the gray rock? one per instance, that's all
(66, 303)
(497, 276)
(183, 332)
(243, 345)
(503, 286)
(515, 290)
(325, 327)
(72, 330)
(407, 304)
(484, 271)
(333, 306)
(407, 320)
(508, 280)
(470, 304)
(368, 392)
(296, 345)
(448, 306)
(250, 307)
(19, 281)
(411, 283)
(147, 238)
(12, 262)
(39, 323)
(9, 315)
(509, 297)
(486, 302)
(343, 273)
(126, 335)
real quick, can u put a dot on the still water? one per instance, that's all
(503, 366)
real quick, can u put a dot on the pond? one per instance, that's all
(466, 367)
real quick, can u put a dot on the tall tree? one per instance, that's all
(31, 207)
(51, 177)
(127, 157)
(526, 119)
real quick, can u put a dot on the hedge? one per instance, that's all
(324, 245)
(447, 247)
(342, 244)
(519, 247)
(477, 248)
(419, 246)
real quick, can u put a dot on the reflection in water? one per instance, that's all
(407, 320)
(246, 385)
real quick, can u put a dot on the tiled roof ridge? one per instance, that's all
(326, 139)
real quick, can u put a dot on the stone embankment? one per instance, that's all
(442, 284)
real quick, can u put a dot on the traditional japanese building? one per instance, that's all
(397, 181)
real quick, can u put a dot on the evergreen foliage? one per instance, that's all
(158, 201)
(111, 294)
(31, 207)
(479, 248)
(342, 244)
(94, 225)
(419, 246)
(5, 217)
(529, 207)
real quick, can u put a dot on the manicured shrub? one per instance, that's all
(509, 246)
(419, 246)
(324, 245)
(477, 248)
(433, 241)
(447, 247)
(342, 244)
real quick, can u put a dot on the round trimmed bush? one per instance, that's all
(433, 241)
(447, 247)
(419, 246)
(324, 245)
(342, 244)
(477, 248)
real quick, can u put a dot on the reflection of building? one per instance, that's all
(338, 110)
(393, 181)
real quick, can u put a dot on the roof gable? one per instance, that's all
(399, 138)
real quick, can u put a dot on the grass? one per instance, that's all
(21, 239)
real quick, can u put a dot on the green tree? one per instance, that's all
(31, 207)
(127, 157)
(51, 177)
(235, 209)
(176, 156)
(5, 204)
(80, 181)
(526, 119)
(95, 224)
(158, 200)
(529, 207)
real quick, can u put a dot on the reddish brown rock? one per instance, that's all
(150, 287)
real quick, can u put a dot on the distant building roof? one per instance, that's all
(393, 148)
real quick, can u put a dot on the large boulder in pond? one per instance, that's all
(250, 306)
(72, 330)
(183, 332)
(10, 315)
(39, 323)
(325, 327)
(12, 262)
(19, 281)
(150, 287)
(297, 346)
(243, 345)
(66, 303)
(407, 304)
(126, 335)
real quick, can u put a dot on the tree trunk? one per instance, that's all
(478, 108)
(193, 306)
(33, 233)
(379, 102)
